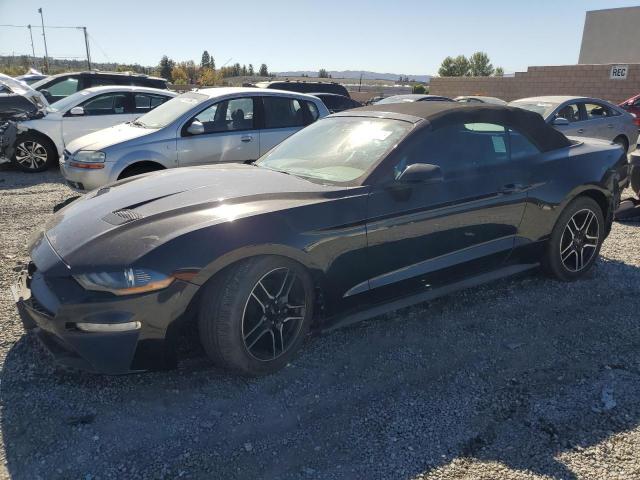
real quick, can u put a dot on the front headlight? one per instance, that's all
(126, 282)
(89, 156)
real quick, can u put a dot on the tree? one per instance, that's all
(480, 65)
(206, 60)
(264, 72)
(165, 67)
(179, 75)
(461, 66)
(322, 73)
(250, 71)
(499, 72)
(244, 70)
(419, 89)
(208, 76)
(447, 68)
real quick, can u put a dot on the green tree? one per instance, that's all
(322, 73)
(251, 72)
(165, 67)
(244, 70)
(480, 65)
(448, 68)
(461, 66)
(419, 89)
(264, 71)
(499, 72)
(179, 75)
(206, 60)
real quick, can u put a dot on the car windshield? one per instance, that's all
(336, 149)
(68, 102)
(166, 113)
(399, 99)
(542, 108)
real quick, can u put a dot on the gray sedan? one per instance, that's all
(585, 117)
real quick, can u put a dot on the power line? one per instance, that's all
(46, 26)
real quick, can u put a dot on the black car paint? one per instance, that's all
(363, 244)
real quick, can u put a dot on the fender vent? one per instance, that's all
(122, 216)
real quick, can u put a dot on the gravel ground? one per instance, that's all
(523, 379)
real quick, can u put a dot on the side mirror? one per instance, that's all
(196, 128)
(77, 111)
(421, 173)
(45, 93)
(560, 122)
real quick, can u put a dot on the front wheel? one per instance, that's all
(34, 153)
(255, 315)
(576, 240)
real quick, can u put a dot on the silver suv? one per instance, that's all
(213, 125)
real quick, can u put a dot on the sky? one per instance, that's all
(382, 36)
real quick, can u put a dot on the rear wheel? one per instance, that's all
(622, 142)
(254, 316)
(576, 240)
(635, 179)
(34, 153)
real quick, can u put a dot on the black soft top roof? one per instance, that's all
(442, 114)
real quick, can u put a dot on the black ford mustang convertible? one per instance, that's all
(360, 213)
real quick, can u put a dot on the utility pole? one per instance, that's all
(86, 44)
(360, 86)
(46, 53)
(33, 50)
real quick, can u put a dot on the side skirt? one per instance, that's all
(343, 320)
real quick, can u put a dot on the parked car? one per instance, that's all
(374, 100)
(361, 213)
(587, 117)
(56, 87)
(412, 97)
(215, 125)
(31, 76)
(41, 141)
(306, 87)
(632, 105)
(18, 102)
(480, 99)
(337, 103)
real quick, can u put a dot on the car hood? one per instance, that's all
(108, 136)
(117, 224)
(18, 100)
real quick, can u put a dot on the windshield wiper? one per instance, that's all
(138, 123)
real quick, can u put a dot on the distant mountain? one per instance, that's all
(356, 75)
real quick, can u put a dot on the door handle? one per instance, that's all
(580, 130)
(610, 126)
(513, 188)
(246, 138)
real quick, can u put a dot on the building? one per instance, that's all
(611, 36)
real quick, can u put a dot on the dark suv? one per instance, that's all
(57, 87)
(306, 87)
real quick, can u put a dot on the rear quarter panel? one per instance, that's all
(559, 176)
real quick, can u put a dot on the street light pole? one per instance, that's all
(86, 44)
(33, 50)
(46, 53)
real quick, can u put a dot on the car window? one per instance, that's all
(64, 87)
(228, 116)
(143, 102)
(313, 111)
(106, 104)
(521, 146)
(595, 111)
(571, 112)
(280, 112)
(459, 150)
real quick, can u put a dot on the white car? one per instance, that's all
(41, 141)
(214, 125)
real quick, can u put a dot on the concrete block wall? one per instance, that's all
(584, 80)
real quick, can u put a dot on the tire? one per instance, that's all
(575, 241)
(242, 315)
(635, 179)
(34, 153)
(622, 141)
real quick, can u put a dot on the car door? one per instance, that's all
(282, 117)
(572, 112)
(599, 121)
(229, 134)
(101, 111)
(422, 234)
